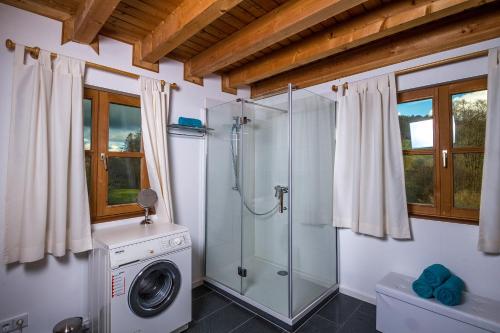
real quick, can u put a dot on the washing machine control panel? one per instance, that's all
(147, 249)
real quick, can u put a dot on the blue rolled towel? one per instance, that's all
(192, 122)
(422, 288)
(435, 275)
(450, 292)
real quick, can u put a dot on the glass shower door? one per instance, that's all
(264, 170)
(223, 202)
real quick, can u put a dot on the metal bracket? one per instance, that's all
(242, 271)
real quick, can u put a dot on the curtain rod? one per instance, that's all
(434, 64)
(35, 51)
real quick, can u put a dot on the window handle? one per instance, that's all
(444, 155)
(104, 159)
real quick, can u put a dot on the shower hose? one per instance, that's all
(234, 157)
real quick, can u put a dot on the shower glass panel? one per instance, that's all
(313, 236)
(265, 223)
(269, 239)
(223, 203)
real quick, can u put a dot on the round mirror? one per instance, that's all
(147, 199)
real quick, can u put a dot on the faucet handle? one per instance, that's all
(277, 190)
(280, 189)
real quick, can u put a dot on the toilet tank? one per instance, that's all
(400, 310)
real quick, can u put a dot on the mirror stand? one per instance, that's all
(146, 220)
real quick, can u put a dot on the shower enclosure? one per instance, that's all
(269, 235)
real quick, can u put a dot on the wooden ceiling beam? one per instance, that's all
(40, 8)
(190, 17)
(465, 30)
(278, 24)
(90, 17)
(385, 21)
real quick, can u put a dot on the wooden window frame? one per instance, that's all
(99, 209)
(93, 96)
(415, 95)
(443, 208)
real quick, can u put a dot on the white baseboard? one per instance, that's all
(356, 294)
(197, 283)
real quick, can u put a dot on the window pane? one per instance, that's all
(467, 174)
(88, 162)
(124, 179)
(87, 123)
(124, 128)
(415, 121)
(419, 179)
(469, 118)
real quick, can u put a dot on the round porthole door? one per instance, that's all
(154, 288)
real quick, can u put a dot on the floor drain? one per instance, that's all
(283, 273)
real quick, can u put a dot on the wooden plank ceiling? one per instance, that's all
(261, 43)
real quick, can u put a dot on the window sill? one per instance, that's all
(109, 218)
(446, 219)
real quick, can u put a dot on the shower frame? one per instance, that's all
(290, 322)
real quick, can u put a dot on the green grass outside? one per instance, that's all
(122, 196)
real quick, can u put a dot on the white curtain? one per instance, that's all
(369, 192)
(489, 215)
(47, 208)
(69, 216)
(154, 120)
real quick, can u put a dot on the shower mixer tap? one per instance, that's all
(279, 192)
(241, 120)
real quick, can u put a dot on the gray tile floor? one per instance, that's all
(213, 313)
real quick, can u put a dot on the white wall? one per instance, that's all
(365, 260)
(53, 289)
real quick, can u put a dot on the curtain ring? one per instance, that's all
(34, 52)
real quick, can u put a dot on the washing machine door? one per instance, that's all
(154, 288)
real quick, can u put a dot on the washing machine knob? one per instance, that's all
(177, 241)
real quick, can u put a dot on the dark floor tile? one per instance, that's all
(257, 325)
(201, 291)
(359, 323)
(208, 304)
(221, 321)
(339, 308)
(318, 324)
(368, 309)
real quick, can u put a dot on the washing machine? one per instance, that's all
(140, 279)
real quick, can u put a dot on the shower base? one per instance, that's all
(267, 274)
